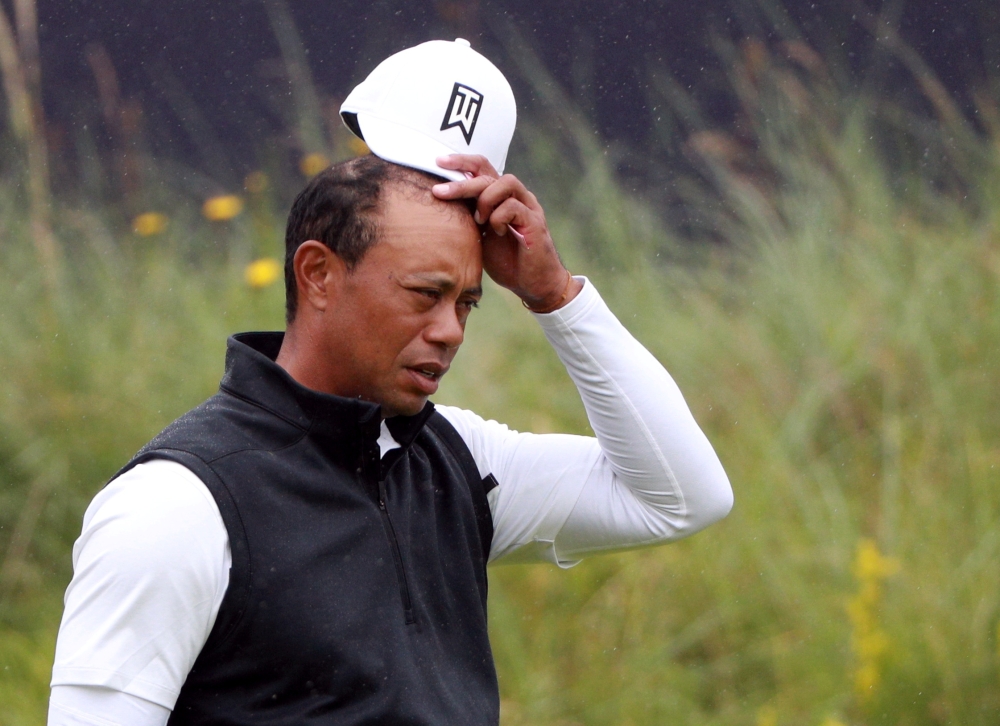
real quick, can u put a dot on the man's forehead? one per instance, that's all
(417, 188)
(429, 237)
(407, 203)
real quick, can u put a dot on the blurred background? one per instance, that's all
(794, 206)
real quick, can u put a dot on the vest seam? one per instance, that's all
(302, 435)
(224, 388)
(248, 588)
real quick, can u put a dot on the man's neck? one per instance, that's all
(301, 355)
(298, 357)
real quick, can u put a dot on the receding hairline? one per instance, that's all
(416, 184)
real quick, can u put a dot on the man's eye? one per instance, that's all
(430, 293)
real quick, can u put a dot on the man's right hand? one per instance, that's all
(525, 262)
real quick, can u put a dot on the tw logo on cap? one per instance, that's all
(463, 110)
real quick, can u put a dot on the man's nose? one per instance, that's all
(446, 329)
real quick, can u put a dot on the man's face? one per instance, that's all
(404, 306)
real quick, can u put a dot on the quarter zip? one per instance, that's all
(390, 532)
(371, 473)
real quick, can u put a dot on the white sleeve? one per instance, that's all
(150, 570)
(649, 476)
(95, 706)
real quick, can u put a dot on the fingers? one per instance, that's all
(506, 187)
(467, 189)
(504, 203)
(475, 164)
(511, 212)
(489, 194)
(479, 170)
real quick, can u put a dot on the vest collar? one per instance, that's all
(253, 375)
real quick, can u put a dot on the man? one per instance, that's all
(309, 546)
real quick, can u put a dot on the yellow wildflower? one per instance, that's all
(870, 564)
(263, 272)
(866, 679)
(767, 716)
(872, 646)
(358, 147)
(149, 223)
(255, 182)
(222, 208)
(313, 164)
(869, 642)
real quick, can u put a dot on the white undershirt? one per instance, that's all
(151, 565)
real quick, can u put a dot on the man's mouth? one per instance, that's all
(431, 370)
(427, 376)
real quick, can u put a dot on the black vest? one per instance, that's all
(357, 593)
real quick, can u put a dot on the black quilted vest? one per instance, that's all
(357, 593)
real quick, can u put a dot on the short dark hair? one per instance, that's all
(339, 207)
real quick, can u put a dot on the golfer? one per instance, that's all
(309, 546)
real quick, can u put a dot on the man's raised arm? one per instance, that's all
(650, 476)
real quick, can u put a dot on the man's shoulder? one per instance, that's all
(222, 425)
(153, 492)
(467, 422)
(485, 439)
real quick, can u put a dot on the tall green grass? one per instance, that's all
(840, 348)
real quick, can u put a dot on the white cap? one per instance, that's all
(434, 99)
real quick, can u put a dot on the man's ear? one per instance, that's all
(319, 275)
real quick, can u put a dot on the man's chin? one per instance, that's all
(409, 405)
(410, 395)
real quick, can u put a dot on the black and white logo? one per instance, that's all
(463, 110)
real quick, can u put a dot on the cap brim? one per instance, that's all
(402, 145)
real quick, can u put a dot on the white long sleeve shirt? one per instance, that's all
(151, 565)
